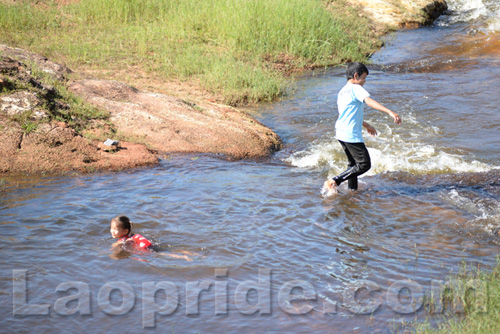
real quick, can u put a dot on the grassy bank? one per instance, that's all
(480, 313)
(56, 101)
(229, 47)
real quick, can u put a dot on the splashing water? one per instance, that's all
(408, 151)
(483, 13)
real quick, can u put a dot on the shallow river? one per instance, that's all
(272, 255)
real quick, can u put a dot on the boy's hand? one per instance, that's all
(371, 130)
(396, 118)
(375, 105)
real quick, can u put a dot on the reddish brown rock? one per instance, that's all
(30, 143)
(170, 124)
(54, 149)
(34, 141)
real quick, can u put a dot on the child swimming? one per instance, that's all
(121, 229)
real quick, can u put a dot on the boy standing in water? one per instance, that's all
(350, 101)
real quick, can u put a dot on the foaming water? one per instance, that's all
(481, 14)
(429, 205)
(390, 155)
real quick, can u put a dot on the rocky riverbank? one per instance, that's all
(396, 14)
(170, 124)
(38, 131)
(36, 139)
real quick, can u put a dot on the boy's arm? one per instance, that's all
(375, 105)
(371, 130)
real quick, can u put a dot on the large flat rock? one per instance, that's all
(170, 124)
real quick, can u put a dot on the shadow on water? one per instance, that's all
(483, 183)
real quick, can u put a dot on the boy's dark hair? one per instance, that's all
(355, 67)
(123, 222)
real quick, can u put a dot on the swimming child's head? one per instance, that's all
(356, 68)
(120, 227)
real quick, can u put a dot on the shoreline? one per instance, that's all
(146, 123)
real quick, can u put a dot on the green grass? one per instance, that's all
(59, 103)
(225, 45)
(480, 316)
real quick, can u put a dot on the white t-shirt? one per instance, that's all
(350, 102)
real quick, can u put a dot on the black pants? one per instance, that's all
(359, 163)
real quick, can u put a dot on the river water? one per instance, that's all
(270, 254)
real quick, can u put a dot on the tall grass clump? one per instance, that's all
(228, 46)
(475, 318)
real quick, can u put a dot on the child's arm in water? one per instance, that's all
(120, 244)
(375, 105)
(117, 244)
(178, 256)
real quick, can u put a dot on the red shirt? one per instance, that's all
(138, 240)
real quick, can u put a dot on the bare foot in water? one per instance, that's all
(329, 188)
